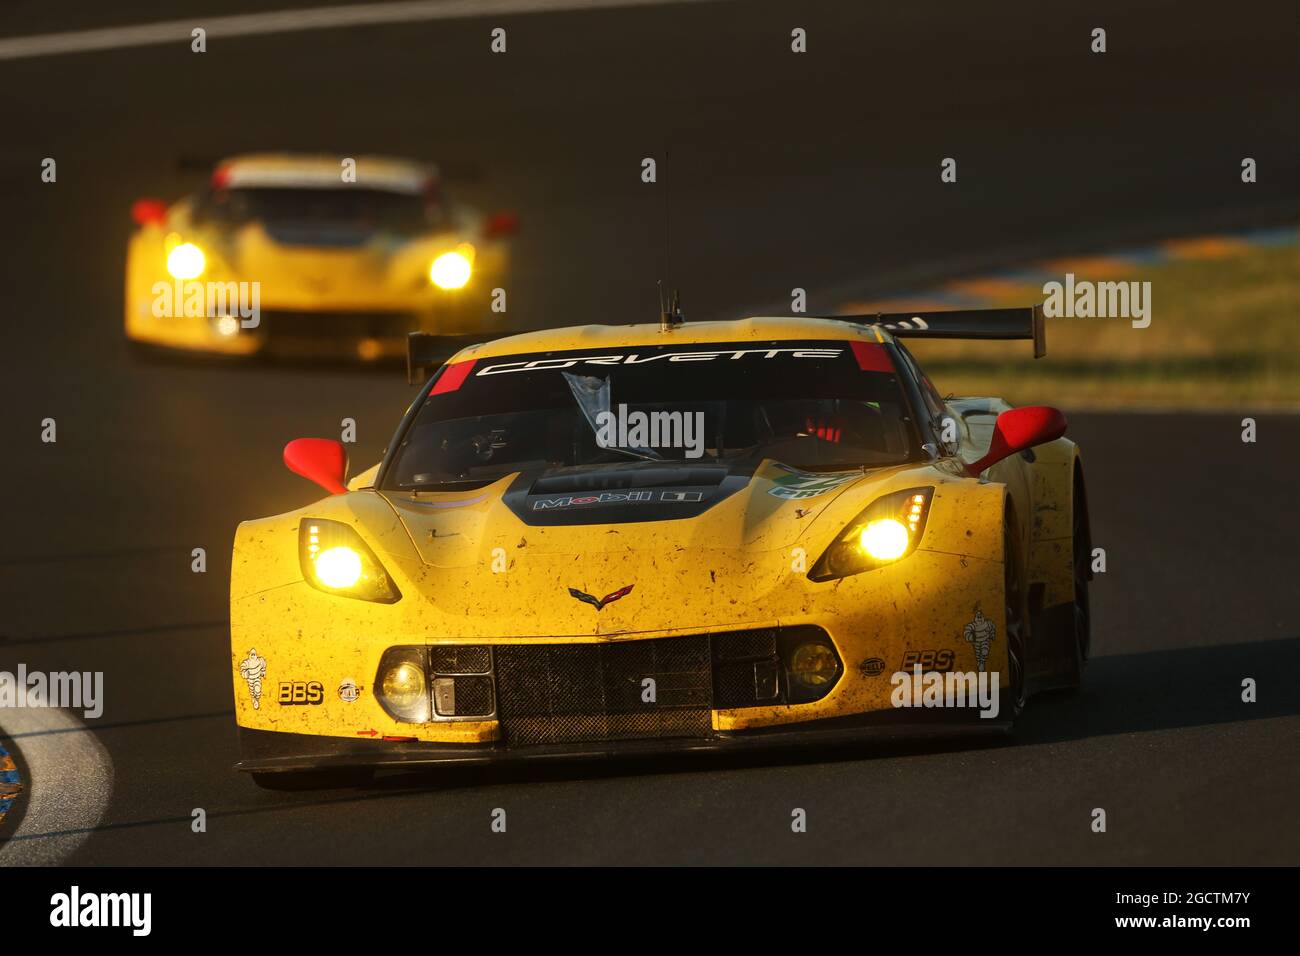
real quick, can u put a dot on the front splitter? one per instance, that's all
(267, 751)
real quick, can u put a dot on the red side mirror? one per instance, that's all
(1018, 429)
(500, 224)
(149, 212)
(320, 460)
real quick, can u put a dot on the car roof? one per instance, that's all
(754, 329)
(323, 171)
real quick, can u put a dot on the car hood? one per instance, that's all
(324, 268)
(679, 561)
(640, 506)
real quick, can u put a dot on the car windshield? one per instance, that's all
(811, 405)
(368, 209)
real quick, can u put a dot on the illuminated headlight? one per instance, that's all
(186, 261)
(887, 531)
(403, 685)
(451, 270)
(227, 325)
(884, 539)
(336, 560)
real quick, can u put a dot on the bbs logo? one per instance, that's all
(301, 692)
(929, 660)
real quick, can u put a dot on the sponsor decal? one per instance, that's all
(252, 669)
(929, 660)
(599, 603)
(604, 498)
(979, 634)
(349, 691)
(294, 692)
(616, 497)
(796, 485)
(681, 496)
(953, 689)
(636, 359)
(872, 667)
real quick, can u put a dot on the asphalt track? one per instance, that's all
(818, 171)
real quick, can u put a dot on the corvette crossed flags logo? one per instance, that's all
(599, 603)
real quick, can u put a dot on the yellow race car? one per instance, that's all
(313, 256)
(704, 536)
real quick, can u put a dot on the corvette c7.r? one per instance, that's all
(531, 571)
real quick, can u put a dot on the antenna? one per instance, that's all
(670, 317)
(673, 317)
(668, 232)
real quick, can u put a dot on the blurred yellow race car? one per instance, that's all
(710, 536)
(313, 256)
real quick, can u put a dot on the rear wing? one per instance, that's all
(425, 351)
(1022, 323)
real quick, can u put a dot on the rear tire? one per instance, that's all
(1080, 641)
(1016, 600)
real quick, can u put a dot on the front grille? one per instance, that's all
(473, 695)
(746, 669)
(460, 659)
(284, 324)
(587, 692)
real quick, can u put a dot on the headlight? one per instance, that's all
(884, 539)
(812, 665)
(890, 529)
(403, 689)
(186, 261)
(451, 270)
(336, 560)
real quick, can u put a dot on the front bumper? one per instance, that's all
(269, 751)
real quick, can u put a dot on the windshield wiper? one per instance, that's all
(592, 396)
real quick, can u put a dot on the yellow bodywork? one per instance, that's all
(471, 572)
(384, 275)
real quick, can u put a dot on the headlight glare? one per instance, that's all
(339, 567)
(335, 559)
(887, 531)
(186, 261)
(884, 539)
(452, 270)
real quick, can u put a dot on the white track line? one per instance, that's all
(67, 781)
(289, 21)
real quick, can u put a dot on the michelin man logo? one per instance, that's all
(252, 669)
(979, 633)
